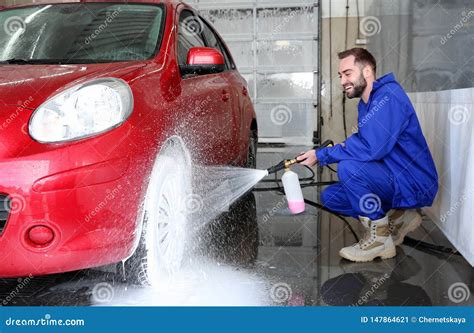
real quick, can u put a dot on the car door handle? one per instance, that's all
(225, 96)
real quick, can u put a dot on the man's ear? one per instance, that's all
(367, 71)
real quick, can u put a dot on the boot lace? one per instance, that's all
(367, 236)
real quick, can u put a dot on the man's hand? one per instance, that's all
(309, 158)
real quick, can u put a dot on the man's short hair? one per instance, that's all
(362, 57)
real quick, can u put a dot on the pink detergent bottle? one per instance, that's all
(293, 192)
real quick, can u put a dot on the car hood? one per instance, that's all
(30, 85)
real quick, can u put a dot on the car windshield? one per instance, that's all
(80, 33)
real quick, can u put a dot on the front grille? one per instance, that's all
(4, 211)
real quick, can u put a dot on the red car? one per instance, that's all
(104, 106)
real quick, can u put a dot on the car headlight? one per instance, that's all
(82, 111)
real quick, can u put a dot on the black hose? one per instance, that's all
(429, 247)
(317, 205)
(312, 203)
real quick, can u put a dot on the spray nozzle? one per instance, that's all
(285, 164)
(289, 163)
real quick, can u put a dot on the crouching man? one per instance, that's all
(386, 165)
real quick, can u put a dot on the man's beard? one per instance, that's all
(358, 88)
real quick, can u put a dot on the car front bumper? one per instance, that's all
(86, 193)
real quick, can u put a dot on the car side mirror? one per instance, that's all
(202, 61)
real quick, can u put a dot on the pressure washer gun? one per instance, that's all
(291, 183)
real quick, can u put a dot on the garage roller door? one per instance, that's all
(275, 45)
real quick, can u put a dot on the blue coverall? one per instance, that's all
(387, 163)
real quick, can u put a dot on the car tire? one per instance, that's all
(165, 218)
(251, 161)
(233, 238)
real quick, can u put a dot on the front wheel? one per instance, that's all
(165, 217)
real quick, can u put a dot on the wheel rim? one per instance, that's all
(171, 224)
(166, 216)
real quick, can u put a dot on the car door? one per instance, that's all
(235, 137)
(207, 100)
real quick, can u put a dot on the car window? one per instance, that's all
(189, 35)
(81, 33)
(213, 40)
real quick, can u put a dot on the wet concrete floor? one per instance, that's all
(275, 259)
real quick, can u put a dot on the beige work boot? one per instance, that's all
(402, 222)
(377, 242)
(365, 222)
